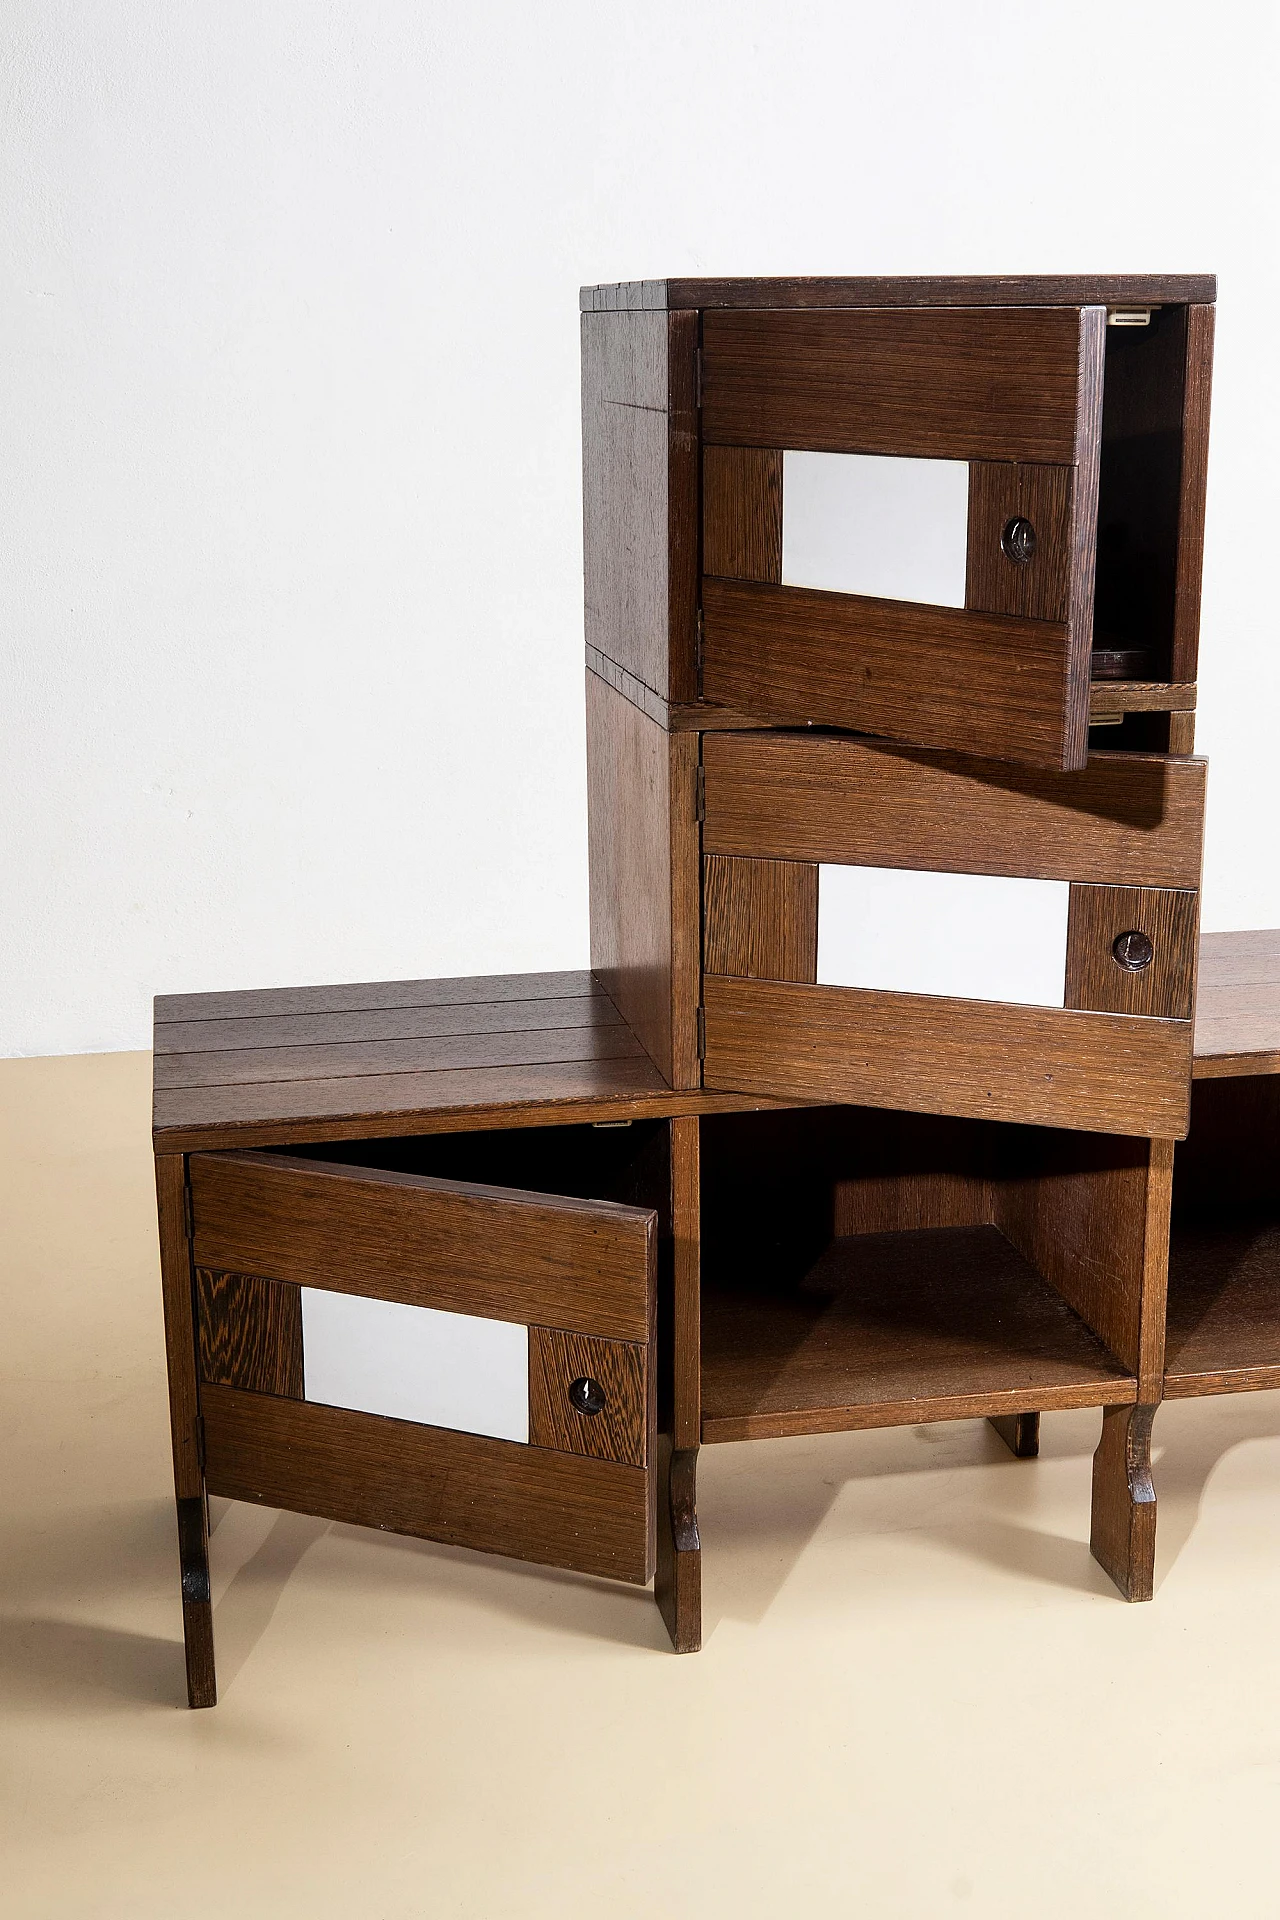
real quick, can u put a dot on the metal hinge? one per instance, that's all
(697, 376)
(188, 1212)
(698, 648)
(702, 1033)
(200, 1440)
(701, 803)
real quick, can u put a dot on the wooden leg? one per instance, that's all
(1123, 1536)
(678, 1585)
(184, 1424)
(1020, 1433)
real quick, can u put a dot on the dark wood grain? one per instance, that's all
(338, 1060)
(177, 1293)
(558, 1509)
(640, 481)
(233, 1034)
(678, 1578)
(1193, 479)
(760, 918)
(922, 290)
(1126, 819)
(1169, 917)
(641, 836)
(250, 1332)
(1020, 1433)
(930, 1054)
(1123, 1528)
(991, 384)
(1001, 491)
(930, 676)
(893, 1329)
(586, 1265)
(1229, 1160)
(620, 1431)
(742, 512)
(481, 989)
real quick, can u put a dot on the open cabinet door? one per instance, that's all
(899, 523)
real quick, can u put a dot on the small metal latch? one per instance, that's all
(1128, 316)
(605, 1126)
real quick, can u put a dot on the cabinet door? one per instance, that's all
(900, 522)
(939, 934)
(466, 1363)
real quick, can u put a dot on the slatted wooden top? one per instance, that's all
(1238, 1004)
(289, 1064)
(958, 290)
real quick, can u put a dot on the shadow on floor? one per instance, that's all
(65, 1666)
(1192, 1439)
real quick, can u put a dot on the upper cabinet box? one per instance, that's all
(934, 511)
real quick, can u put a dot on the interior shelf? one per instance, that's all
(890, 1329)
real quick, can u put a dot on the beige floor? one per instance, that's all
(918, 1695)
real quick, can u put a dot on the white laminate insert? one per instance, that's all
(873, 524)
(973, 936)
(416, 1363)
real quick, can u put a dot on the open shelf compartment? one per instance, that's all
(864, 1268)
(1223, 1328)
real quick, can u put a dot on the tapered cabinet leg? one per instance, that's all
(184, 1426)
(1123, 1535)
(1020, 1433)
(678, 1584)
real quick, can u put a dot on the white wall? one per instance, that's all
(290, 584)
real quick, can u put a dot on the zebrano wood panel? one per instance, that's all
(742, 512)
(930, 1054)
(761, 918)
(586, 1265)
(987, 384)
(1098, 916)
(1125, 819)
(559, 1509)
(915, 290)
(250, 1332)
(933, 676)
(620, 1430)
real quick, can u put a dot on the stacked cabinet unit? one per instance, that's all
(892, 614)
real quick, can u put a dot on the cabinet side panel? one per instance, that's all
(635, 451)
(629, 833)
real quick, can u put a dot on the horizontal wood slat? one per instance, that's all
(1125, 819)
(231, 1034)
(586, 1265)
(932, 676)
(620, 1430)
(1140, 696)
(979, 1059)
(559, 1509)
(464, 990)
(338, 1060)
(947, 384)
(912, 290)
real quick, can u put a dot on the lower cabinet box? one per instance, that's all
(865, 1268)
(1224, 1256)
(921, 930)
(440, 1336)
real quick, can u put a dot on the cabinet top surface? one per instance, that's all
(290, 1064)
(959, 290)
(1238, 1004)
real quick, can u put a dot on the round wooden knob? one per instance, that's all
(1018, 541)
(1133, 951)
(586, 1395)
